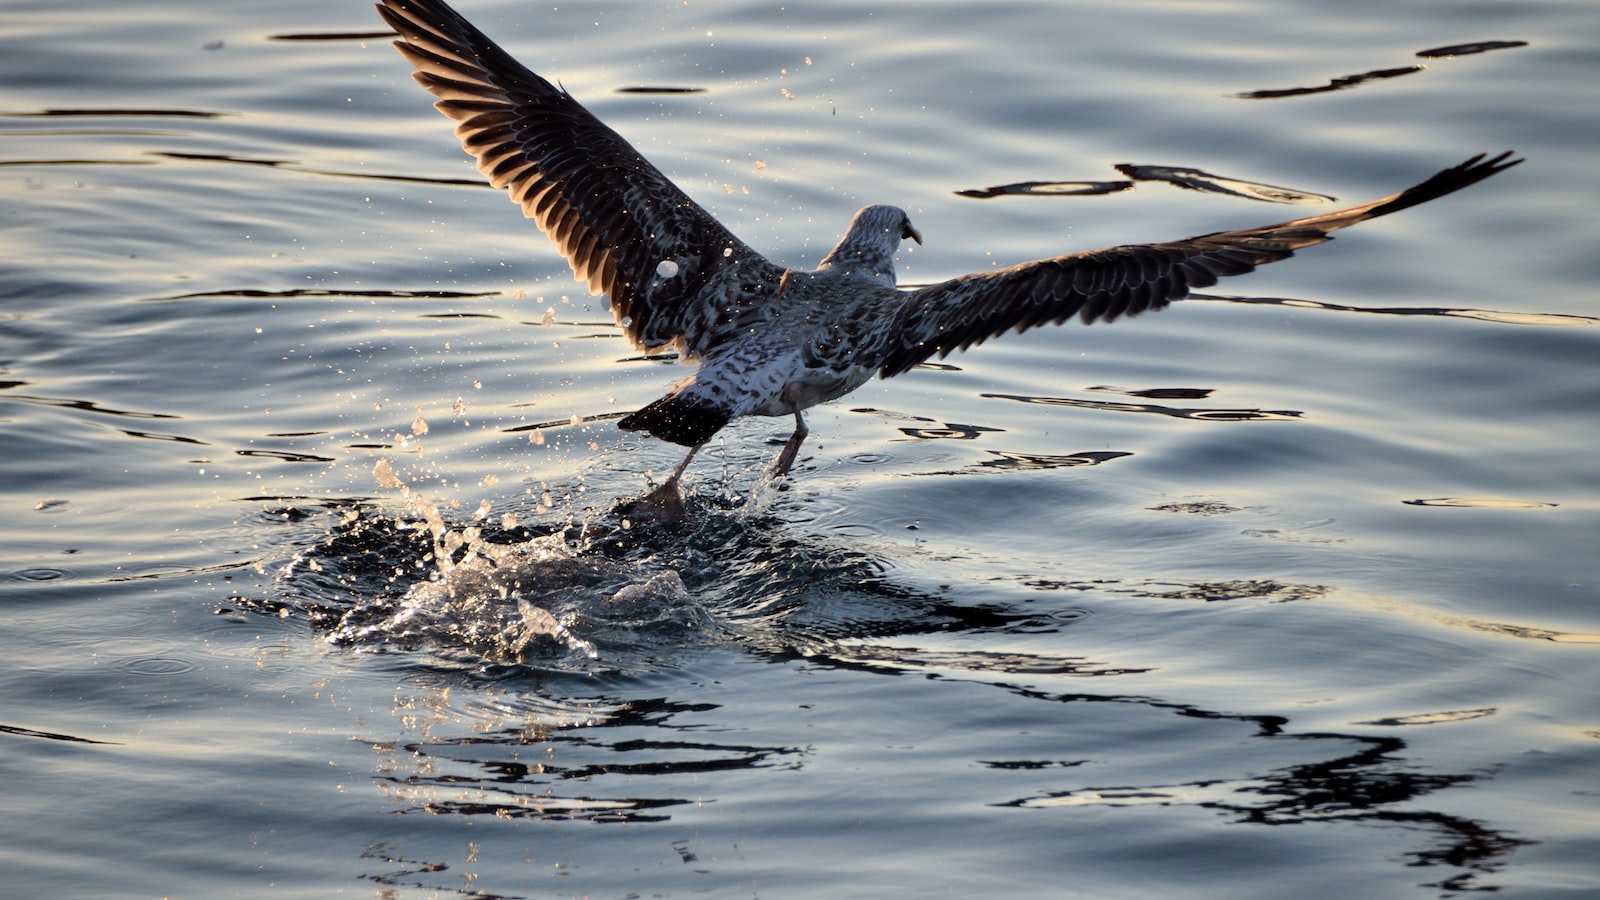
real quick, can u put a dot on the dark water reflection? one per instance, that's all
(291, 165)
(1469, 49)
(1348, 81)
(570, 738)
(1197, 180)
(598, 771)
(335, 36)
(1047, 189)
(1504, 317)
(89, 406)
(1176, 412)
(47, 735)
(1336, 84)
(113, 113)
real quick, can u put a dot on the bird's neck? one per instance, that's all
(861, 259)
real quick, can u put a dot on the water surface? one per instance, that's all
(312, 583)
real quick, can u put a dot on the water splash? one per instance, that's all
(479, 600)
(493, 595)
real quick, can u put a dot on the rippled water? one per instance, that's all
(312, 581)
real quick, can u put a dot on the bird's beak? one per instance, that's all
(912, 233)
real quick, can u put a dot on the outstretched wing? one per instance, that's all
(1124, 281)
(627, 230)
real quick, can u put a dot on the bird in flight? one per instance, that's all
(771, 340)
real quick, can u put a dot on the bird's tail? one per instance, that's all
(681, 419)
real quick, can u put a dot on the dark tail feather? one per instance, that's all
(678, 419)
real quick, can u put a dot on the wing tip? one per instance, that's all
(1448, 181)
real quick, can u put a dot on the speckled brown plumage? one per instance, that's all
(769, 340)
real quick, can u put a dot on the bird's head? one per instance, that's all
(868, 245)
(891, 221)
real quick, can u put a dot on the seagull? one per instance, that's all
(771, 340)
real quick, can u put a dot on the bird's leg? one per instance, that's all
(672, 480)
(664, 504)
(792, 448)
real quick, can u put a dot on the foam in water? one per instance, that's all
(493, 599)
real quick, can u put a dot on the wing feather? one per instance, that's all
(1104, 285)
(613, 215)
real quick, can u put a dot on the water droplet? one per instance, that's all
(385, 475)
(666, 269)
(419, 426)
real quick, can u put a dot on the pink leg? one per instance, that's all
(792, 448)
(664, 504)
(672, 480)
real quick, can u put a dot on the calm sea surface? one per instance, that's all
(311, 582)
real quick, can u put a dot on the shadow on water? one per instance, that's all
(547, 629)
